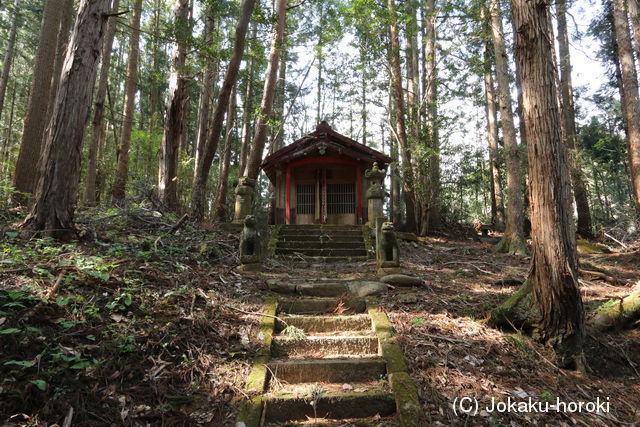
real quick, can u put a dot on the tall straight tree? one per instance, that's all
(569, 122)
(66, 21)
(497, 205)
(57, 187)
(631, 101)
(513, 239)
(554, 267)
(206, 91)
(26, 175)
(430, 90)
(98, 126)
(400, 123)
(266, 105)
(220, 203)
(201, 175)
(176, 106)
(9, 53)
(248, 110)
(122, 169)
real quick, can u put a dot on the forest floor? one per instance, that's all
(142, 322)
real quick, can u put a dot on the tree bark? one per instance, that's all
(55, 197)
(497, 204)
(634, 13)
(554, 266)
(220, 202)
(176, 105)
(206, 92)
(268, 94)
(630, 99)
(25, 174)
(66, 21)
(118, 191)
(400, 126)
(513, 240)
(201, 175)
(434, 220)
(569, 121)
(247, 115)
(8, 55)
(98, 125)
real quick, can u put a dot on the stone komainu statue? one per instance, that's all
(387, 250)
(250, 245)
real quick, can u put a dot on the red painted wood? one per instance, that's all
(323, 210)
(287, 203)
(359, 193)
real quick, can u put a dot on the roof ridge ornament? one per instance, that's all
(323, 126)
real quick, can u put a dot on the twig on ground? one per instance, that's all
(469, 264)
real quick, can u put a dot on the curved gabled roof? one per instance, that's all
(323, 141)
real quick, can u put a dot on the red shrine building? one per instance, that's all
(320, 178)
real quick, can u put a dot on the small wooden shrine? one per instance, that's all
(320, 178)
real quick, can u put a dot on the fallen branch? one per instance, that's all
(603, 276)
(49, 294)
(470, 264)
(616, 240)
(179, 223)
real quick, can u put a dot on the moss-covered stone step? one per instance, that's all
(347, 305)
(325, 346)
(318, 232)
(311, 324)
(328, 388)
(326, 422)
(327, 370)
(338, 406)
(320, 227)
(322, 252)
(322, 259)
(331, 244)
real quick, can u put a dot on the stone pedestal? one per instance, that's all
(375, 194)
(244, 199)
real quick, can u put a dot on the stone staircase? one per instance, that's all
(325, 241)
(329, 361)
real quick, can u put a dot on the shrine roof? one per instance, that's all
(323, 142)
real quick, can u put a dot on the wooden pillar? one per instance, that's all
(359, 194)
(287, 205)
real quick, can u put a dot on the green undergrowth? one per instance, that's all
(125, 324)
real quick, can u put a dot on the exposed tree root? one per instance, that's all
(512, 244)
(519, 312)
(617, 313)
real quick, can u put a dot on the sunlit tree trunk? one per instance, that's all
(630, 91)
(497, 205)
(56, 191)
(220, 202)
(122, 170)
(247, 115)
(176, 105)
(268, 94)
(433, 135)
(513, 240)
(98, 132)
(568, 117)
(400, 126)
(634, 13)
(201, 175)
(553, 275)
(9, 53)
(66, 21)
(206, 92)
(35, 121)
